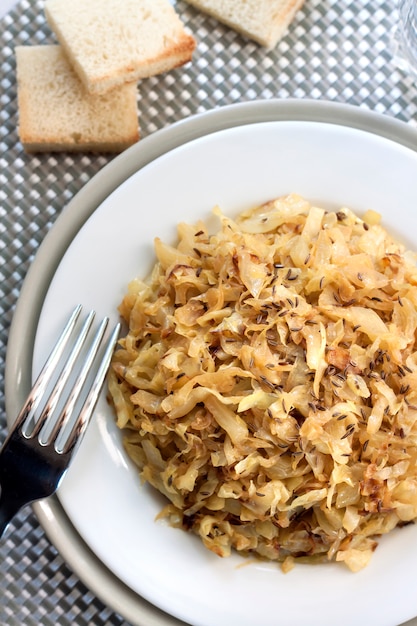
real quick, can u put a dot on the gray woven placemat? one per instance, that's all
(335, 50)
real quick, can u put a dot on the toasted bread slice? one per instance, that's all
(264, 21)
(56, 113)
(110, 42)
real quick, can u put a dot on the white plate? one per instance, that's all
(331, 164)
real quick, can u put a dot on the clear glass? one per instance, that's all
(404, 42)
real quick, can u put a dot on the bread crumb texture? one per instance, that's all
(110, 42)
(264, 21)
(56, 112)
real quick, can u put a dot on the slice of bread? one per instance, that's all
(110, 42)
(264, 21)
(56, 113)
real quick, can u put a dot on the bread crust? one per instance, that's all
(106, 80)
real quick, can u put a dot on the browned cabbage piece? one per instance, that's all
(267, 384)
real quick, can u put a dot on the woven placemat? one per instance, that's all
(335, 50)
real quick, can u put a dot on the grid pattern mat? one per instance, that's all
(335, 50)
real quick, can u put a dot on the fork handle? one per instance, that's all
(8, 509)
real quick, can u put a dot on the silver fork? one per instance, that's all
(40, 446)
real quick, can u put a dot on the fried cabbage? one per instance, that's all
(267, 383)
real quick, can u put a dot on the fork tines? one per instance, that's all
(76, 383)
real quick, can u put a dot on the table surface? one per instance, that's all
(335, 50)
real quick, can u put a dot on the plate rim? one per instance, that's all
(60, 531)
